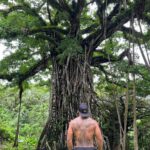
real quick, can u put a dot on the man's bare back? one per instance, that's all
(84, 130)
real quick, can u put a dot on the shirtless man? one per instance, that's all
(84, 130)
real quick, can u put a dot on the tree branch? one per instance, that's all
(61, 6)
(65, 6)
(102, 8)
(55, 4)
(114, 12)
(49, 13)
(98, 36)
(7, 77)
(96, 61)
(90, 28)
(106, 73)
(75, 17)
(129, 31)
(79, 8)
(20, 77)
(25, 8)
(49, 30)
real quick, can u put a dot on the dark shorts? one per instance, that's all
(84, 148)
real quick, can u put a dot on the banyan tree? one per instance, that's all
(63, 36)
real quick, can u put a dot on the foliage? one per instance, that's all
(69, 47)
(33, 115)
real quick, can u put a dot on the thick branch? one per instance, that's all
(90, 28)
(49, 30)
(96, 61)
(114, 12)
(75, 17)
(7, 77)
(102, 7)
(130, 31)
(97, 37)
(41, 65)
(79, 8)
(25, 8)
(124, 54)
(65, 6)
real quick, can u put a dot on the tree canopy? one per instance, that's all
(46, 28)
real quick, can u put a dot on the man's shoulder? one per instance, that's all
(93, 121)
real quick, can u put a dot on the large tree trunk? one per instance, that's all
(71, 84)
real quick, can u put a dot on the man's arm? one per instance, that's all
(99, 137)
(70, 137)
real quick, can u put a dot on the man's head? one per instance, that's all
(83, 110)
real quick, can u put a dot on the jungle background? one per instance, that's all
(59, 53)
